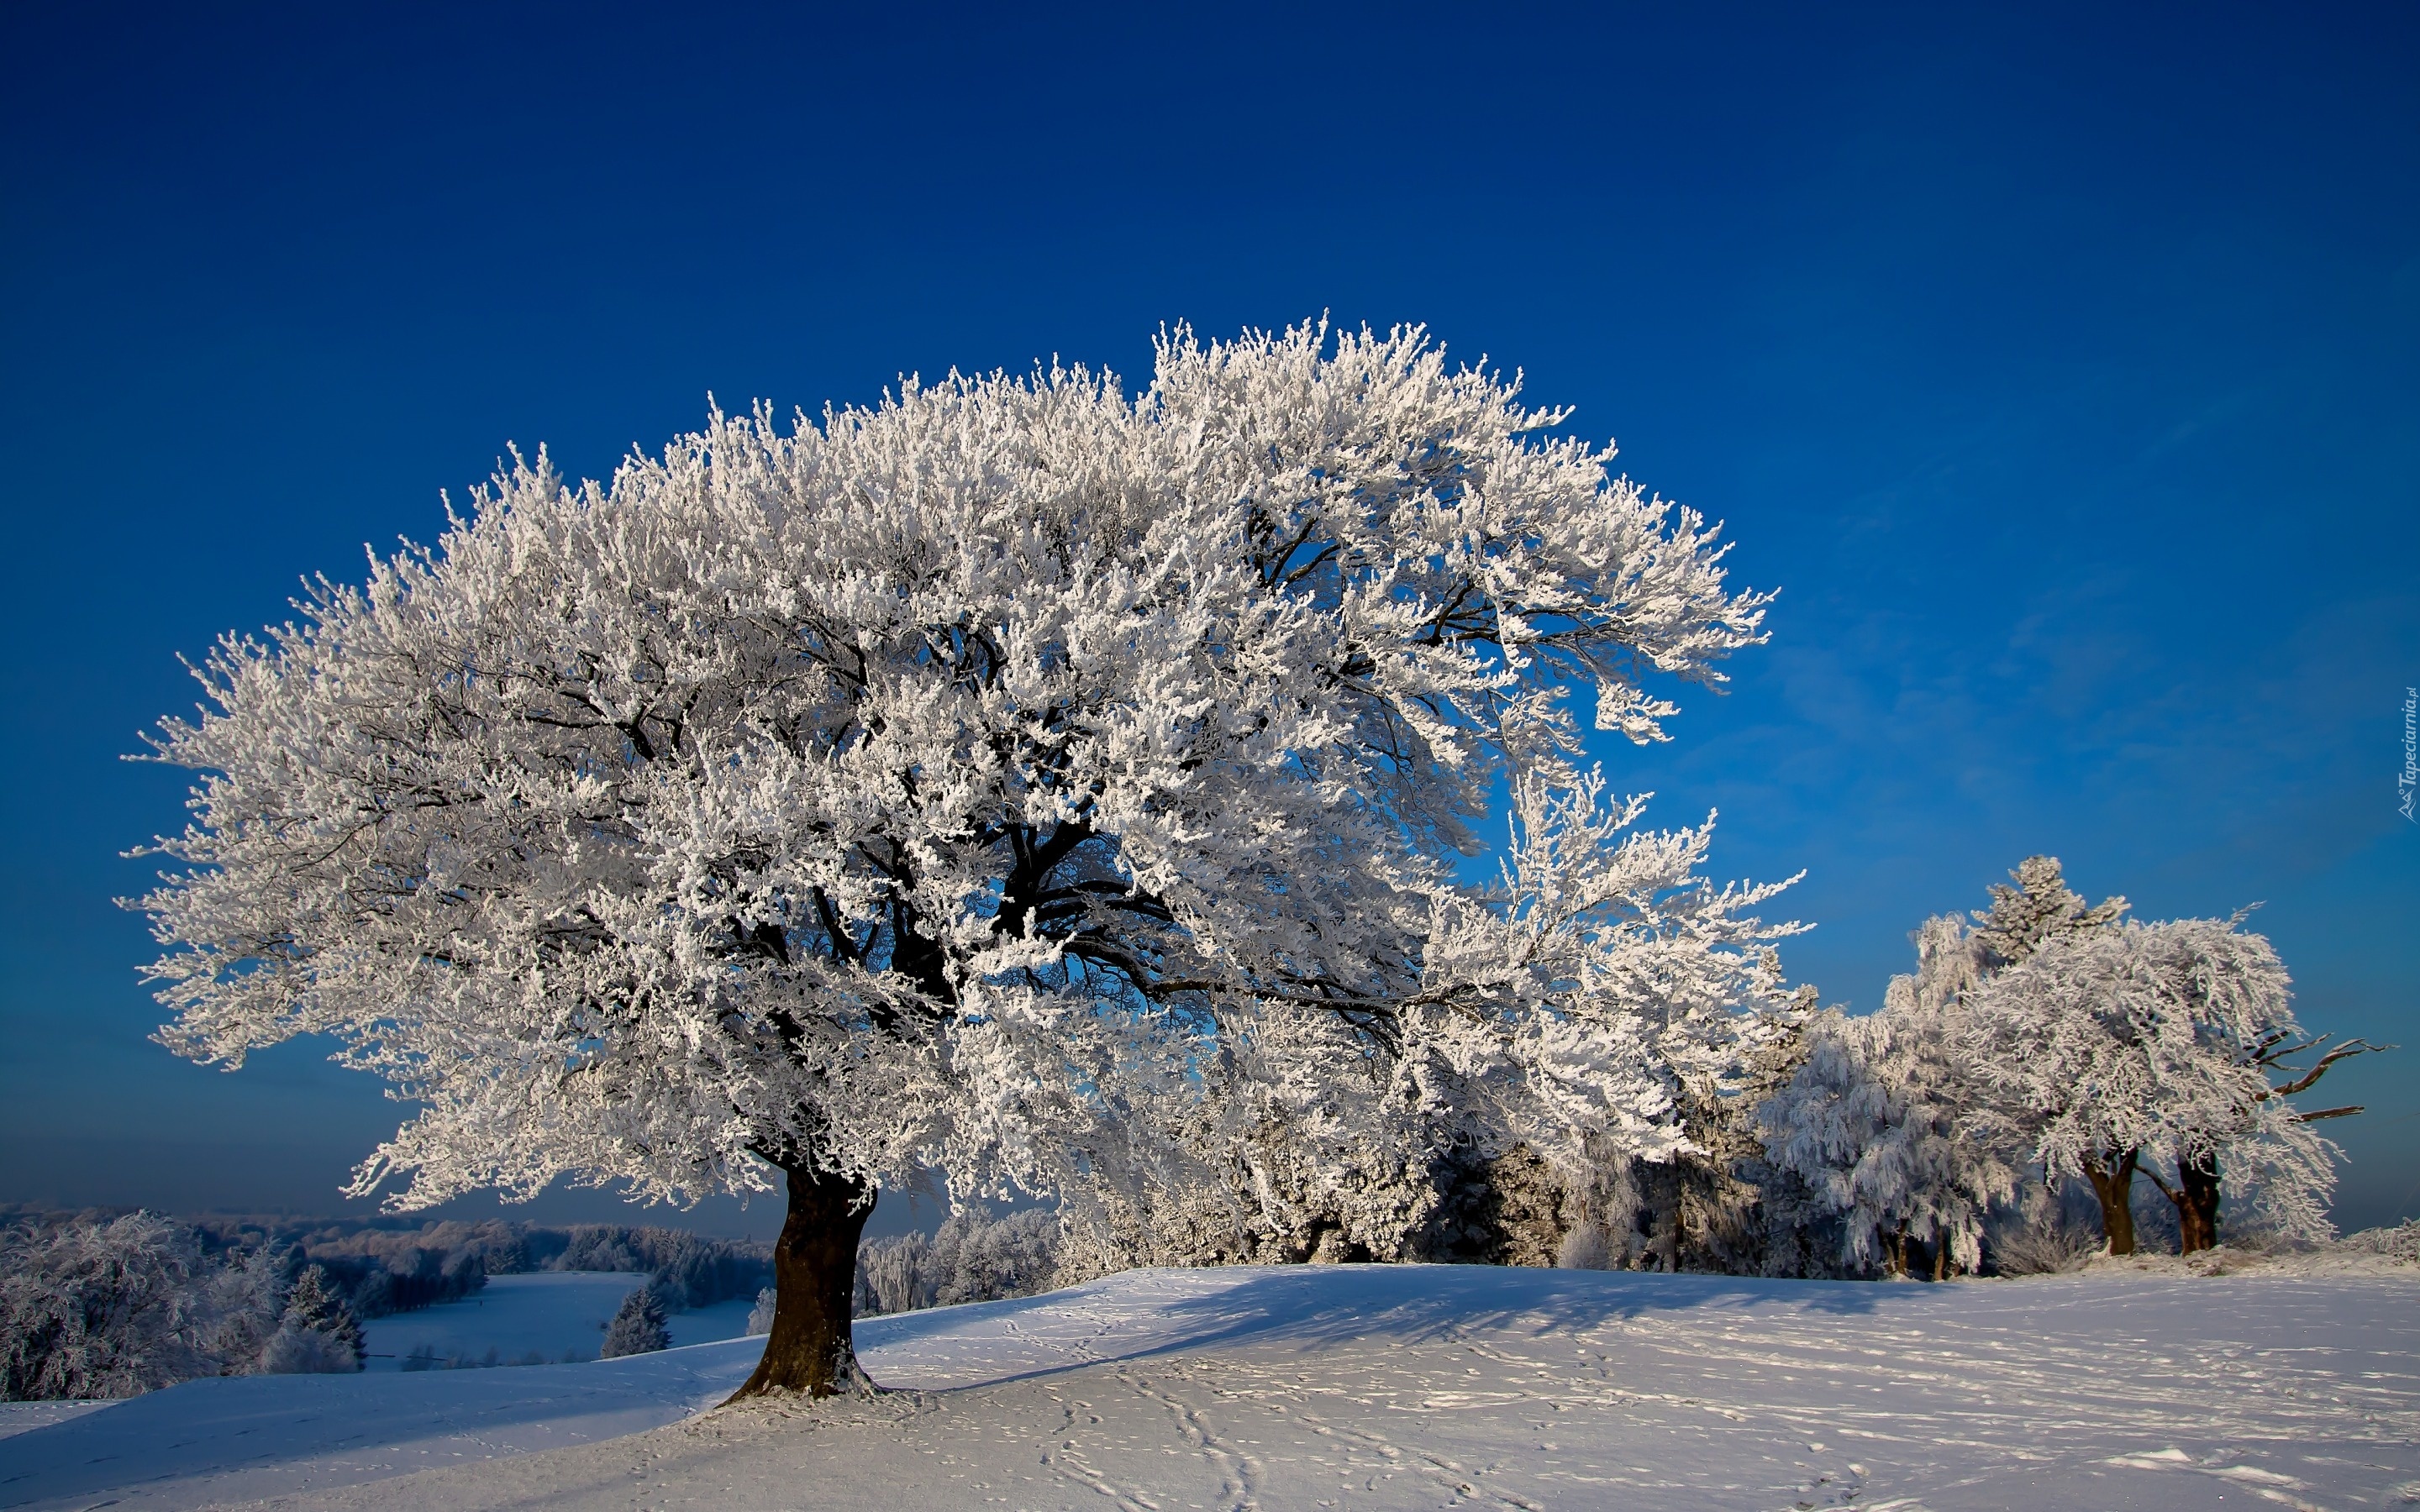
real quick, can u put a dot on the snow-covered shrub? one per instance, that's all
(893, 1274)
(307, 1351)
(1711, 1206)
(1262, 1174)
(760, 1318)
(1689, 1211)
(638, 1326)
(2399, 1243)
(106, 1309)
(2041, 1249)
(243, 1299)
(977, 1258)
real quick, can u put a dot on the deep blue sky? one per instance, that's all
(2061, 366)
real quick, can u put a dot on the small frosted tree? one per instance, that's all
(640, 1326)
(2151, 1049)
(316, 1333)
(929, 785)
(1885, 1124)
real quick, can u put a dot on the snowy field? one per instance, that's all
(559, 1314)
(1370, 1387)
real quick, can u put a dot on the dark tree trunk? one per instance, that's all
(2196, 1197)
(815, 1282)
(2114, 1184)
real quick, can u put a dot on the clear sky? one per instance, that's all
(2061, 366)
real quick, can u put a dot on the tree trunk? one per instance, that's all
(2197, 1201)
(815, 1282)
(2114, 1185)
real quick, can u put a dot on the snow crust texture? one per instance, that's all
(1374, 1387)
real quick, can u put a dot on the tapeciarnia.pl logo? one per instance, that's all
(2407, 782)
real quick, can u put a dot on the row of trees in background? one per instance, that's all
(2049, 1043)
(389, 1266)
(2043, 1050)
(1990, 1116)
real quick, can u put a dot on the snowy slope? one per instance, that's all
(24, 1417)
(1367, 1387)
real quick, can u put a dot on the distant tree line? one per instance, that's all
(99, 1304)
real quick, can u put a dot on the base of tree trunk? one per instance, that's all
(2198, 1202)
(2114, 1184)
(811, 1349)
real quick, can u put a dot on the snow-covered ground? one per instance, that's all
(23, 1417)
(1368, 1387)
(559, 1314)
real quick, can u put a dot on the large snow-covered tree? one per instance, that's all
(917, 787)
(2155, 1048)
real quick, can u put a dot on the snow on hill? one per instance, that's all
(1374, 1387)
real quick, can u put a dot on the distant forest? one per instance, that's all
(387, 1266)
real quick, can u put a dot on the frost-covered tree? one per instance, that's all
(971, 1258)
(921, 787)
(1707, 1208)
(1886, 1127)
(1886, 1132)
(1892, 1133)
(640, 1326)
(2150, 1048)
(2041, 907)
(316, 1334)
(244, 1299)
(105, 1309)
